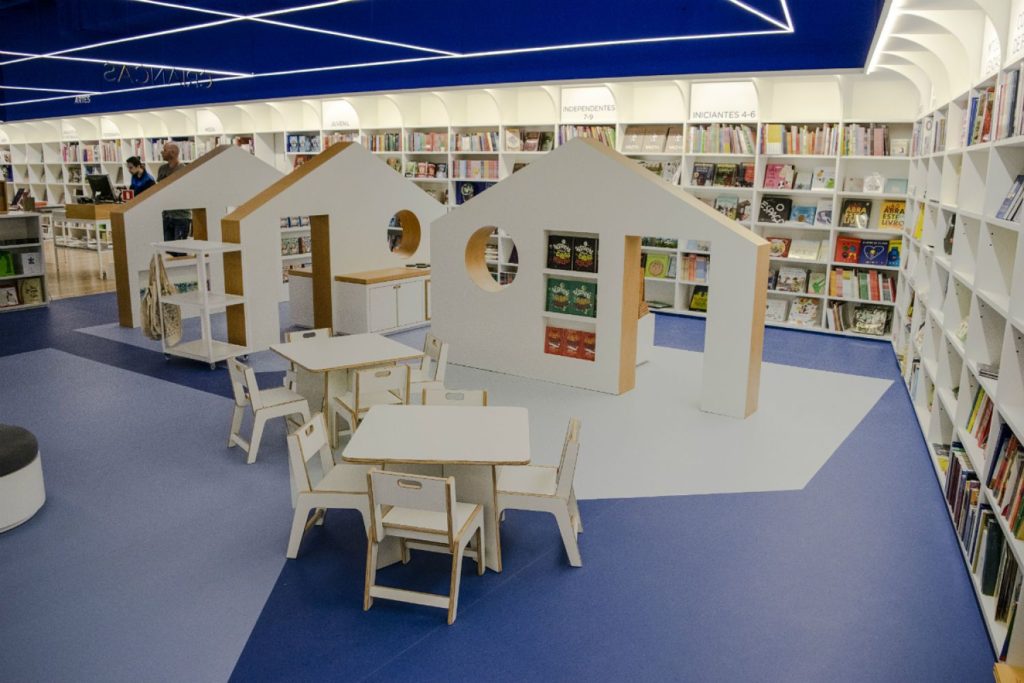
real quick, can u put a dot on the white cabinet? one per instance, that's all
(381, 300)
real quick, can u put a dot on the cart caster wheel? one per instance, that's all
(167, 356)
(244, 357)
(213, 366)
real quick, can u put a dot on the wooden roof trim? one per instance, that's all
(286, 181)
(157, 188)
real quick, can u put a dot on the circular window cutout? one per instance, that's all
(492, 258)
(404, 234)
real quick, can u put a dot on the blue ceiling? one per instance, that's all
(229, 50)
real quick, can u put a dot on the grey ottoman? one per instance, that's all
(21, 477)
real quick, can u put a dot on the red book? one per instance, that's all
(847, 249)
(873, 292)
(554, 341)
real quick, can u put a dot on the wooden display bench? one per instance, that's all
(384, 300)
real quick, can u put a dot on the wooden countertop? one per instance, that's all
(89, 212)
(372, 277)
(301, 271)
(1004, 673)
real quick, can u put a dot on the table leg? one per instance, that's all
(476, 484)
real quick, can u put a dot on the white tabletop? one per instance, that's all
(321, 354)
(445, 435)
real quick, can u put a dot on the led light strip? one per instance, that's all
(782, 29)
(40, 89)
(262, 19)
(892, 13)
(28, 56)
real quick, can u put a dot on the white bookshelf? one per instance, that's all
(21, 235)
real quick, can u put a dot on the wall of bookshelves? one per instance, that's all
(959, 329)
(722, 141)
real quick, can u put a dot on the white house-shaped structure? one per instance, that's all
(210, 186)
(350, 197)
(586, 191)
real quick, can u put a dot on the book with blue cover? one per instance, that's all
(1011, 203)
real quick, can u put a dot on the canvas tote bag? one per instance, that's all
(149, 311)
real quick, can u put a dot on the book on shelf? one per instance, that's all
(893, 214)
(570, 343)
(802, 180)
(699, 299)
(847, 249)
(873, 252)
(726, 204)
(895, 186)
(873, 320)
(989, 370)
(823, 212)
(776, 310)
(824, 178)
(804, 250)
(584, 254)
(703, 174)
(804, 311)
(9, 296)
(674, 141)
(778, 246)
(693, 268)
(919, 223)
(573, 297)
(725, 175)
(854, 184)
(856, 213)
(803, 213)
(861, 140)
(791, 280)
(603, 134)
(779, 176)
(722, 139)
(662, 242)
(657, 265)
(1011, 203)
(947, 241)
(816, 282)
(559, 252)
(778, 139)
(874, 183)
(654, 139)
(774, 209)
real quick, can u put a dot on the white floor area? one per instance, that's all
(654, 440)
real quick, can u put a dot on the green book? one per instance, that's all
(574, 297)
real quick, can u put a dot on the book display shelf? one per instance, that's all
(22, 268)
(960, 329)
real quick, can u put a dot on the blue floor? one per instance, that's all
(857, 577)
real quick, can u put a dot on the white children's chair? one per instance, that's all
(412, 507)
(290, 381)
(454, 397)
(373, 387)
(548, 489)
(430, 373)
(266, 405)
(326, 486)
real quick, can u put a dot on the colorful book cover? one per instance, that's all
(824, 178)
(893, 213)
(727, 204)
(804, 311)
(703, 173)
(855, 214)
(802, 181)
(776, 310)
(873, 252)
(558, 296)
(699, 299)
(792, 280)
(725, 175)
(816, 282)
(803, 213)
(583, 298)
(847, 249)
(584, 254)
(895, 185)
(657, 265)
(1006, 209)
(560, 252)
(779, 246)
(775, 209)
(554, 340)
(893, 259)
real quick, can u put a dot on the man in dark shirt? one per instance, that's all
(141, 178)
(177, 222)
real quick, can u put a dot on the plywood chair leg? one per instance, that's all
(574, 510)
(371, 573)
(565, 528)
(236, 424)
(320, 517)
(298, 529)
(481, 565)
(405, 550)
(257, 435)
(453, 589)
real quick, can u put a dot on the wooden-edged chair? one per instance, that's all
(290, 381)
(430, 374)
(454, 397)
(412, 507)
(266, 404)
(548, 489)
(337, 486)
(377, 386)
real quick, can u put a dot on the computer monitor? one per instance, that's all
(102, 191)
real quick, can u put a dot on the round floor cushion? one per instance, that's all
(21, 476)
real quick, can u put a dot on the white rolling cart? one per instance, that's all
(201, 300)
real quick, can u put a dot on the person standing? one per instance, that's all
(142, 180)
(177, 222)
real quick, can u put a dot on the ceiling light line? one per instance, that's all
(789, 17)
(261, 18)
(122, 90)
(788, 27)
(42, 89)
(117, 41)
(96, 60)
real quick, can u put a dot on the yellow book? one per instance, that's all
(974, 410)
(919, 228)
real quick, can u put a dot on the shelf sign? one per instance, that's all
(990, 52)
(339, 114)
(83, 99)
(123, 74)
(729, 101)
(588, 105)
